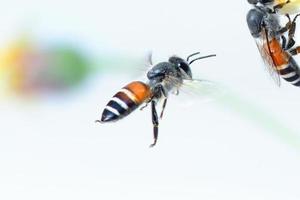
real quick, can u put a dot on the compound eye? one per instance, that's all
(185, 67)
(253, 1)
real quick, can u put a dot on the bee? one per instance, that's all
(162, 79)
(276, 43)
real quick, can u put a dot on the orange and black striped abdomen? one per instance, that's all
(284, 63)
(126, 101)
(279, 56)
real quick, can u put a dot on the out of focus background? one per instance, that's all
(60, 63)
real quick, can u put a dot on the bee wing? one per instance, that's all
(200, 88)
(195, 89)
(265, 52)
(138, 66)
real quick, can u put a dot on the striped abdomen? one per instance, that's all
(125, 101)
(284, 63)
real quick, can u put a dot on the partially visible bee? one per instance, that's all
(275, 48)
(162, 79)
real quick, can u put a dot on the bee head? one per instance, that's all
(181, 64)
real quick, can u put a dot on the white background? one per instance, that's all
(52, 149)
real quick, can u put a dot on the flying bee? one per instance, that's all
(275, 42)
(162, 79)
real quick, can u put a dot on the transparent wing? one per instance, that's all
(265, 52)
(138, 66)
(202, 88)
(193, 90)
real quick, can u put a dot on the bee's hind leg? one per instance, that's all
(154, 122)
(144, 106)
(295, 51)
(147, 103)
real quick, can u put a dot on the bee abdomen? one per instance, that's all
(126, 101)
(290, 72)
(285, 64)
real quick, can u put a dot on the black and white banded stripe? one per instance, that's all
(119, 106)
(290, 72)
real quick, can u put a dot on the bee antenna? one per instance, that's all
(208, 56)
(187, 59)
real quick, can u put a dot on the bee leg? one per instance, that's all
(154, 122)
(295, 51)
(283, 44)
(287, 26)
(291, 33)
(163, 108)
(291, 43)
(143, 107)
(164, 94)
(146, 104)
